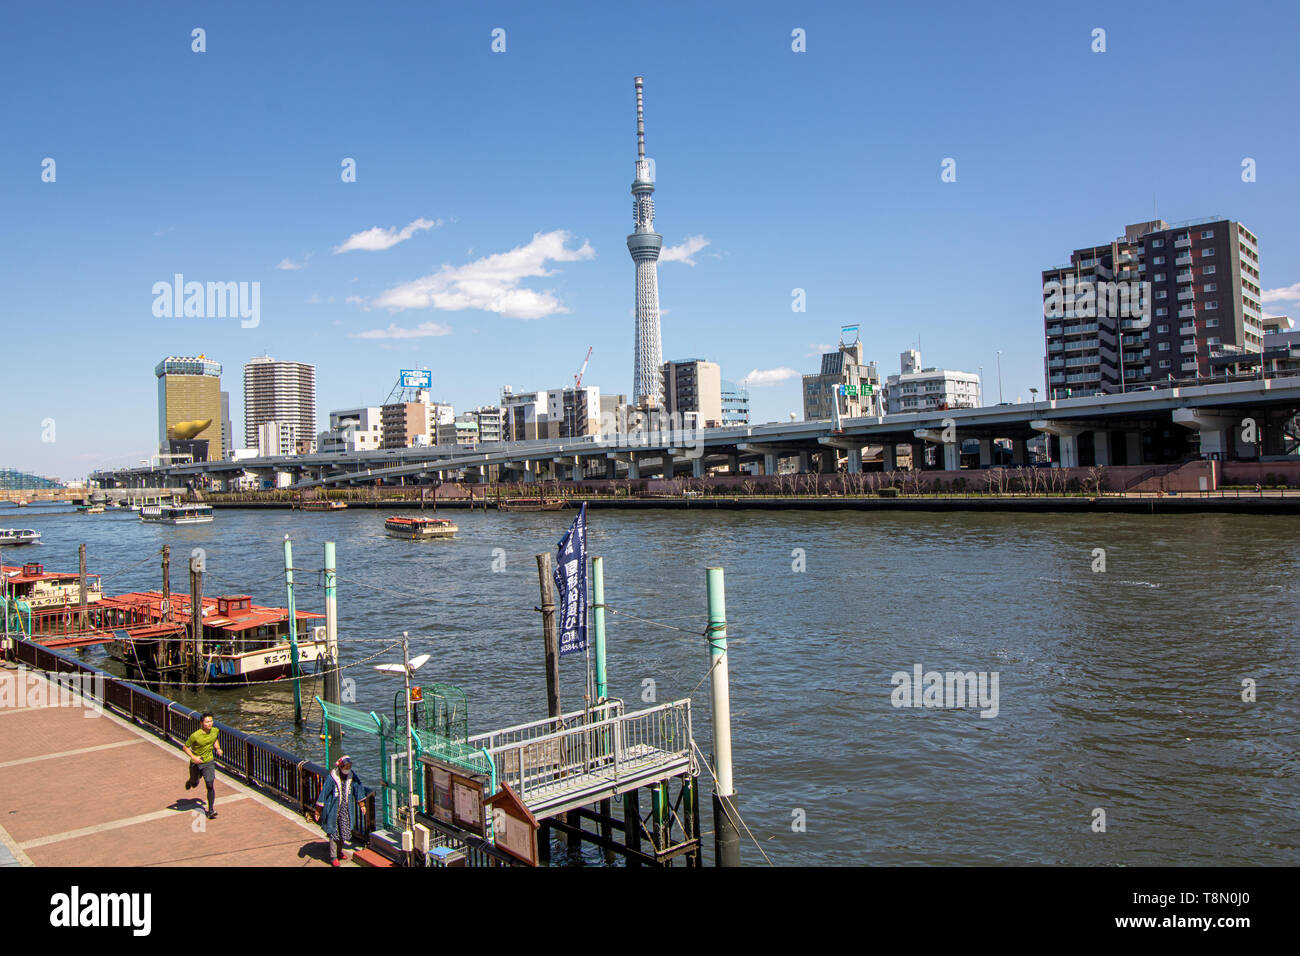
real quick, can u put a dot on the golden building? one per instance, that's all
(189, 405)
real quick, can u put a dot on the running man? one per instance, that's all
(199, 749)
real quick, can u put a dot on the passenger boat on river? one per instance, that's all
(419, 528)
(176, 514)
(13, 536)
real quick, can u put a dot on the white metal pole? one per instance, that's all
(410, 756)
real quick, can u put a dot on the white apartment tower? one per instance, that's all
(280, 392)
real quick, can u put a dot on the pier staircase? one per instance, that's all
(564, 763)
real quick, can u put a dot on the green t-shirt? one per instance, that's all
(201, 743)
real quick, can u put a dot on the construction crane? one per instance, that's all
(577, 384)
(577, 379)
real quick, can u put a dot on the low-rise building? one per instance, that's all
(917, 389)
(491, 423)
(735, 404)
(352, 430)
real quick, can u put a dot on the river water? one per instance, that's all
(1118, 691)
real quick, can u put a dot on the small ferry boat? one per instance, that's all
(176, 514)
(49, 589)
(530, 504)
(320, 504)
(91, 509)
(242, 641)
(19, 536)
(419, 528)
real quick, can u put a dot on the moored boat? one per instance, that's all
(91, 509)
(320, 504)
(176, 514)
(10, 536)
(48, 589)
(530, 504)
(419, 528)
(242, 641)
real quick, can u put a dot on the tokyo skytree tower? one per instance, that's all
(644, 245)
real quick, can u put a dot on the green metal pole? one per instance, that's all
(598, 615)
(725, 816)
(293, 631)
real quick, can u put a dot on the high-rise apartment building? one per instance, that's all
(280, 392)
(189, 408)
(694, 385)
(1151, 306)
(845, 368)
(917, 389)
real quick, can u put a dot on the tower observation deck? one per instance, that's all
(644, 245)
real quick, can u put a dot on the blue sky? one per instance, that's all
(817, 170)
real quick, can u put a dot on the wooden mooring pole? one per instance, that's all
(167, 582)
(551, 640)
(549, 636)
(81, 588)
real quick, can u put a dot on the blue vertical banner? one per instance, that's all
(571, 583)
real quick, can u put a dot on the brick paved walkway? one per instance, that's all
(84, 789)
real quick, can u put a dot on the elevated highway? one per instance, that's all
(1240, 419)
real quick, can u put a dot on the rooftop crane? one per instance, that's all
(577, 379)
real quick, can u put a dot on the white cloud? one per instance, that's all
(491, 283)
(819, 349)
(288, 265)
(377, 238)
(771, 376)
(355, 300)
(1290, 293)
(421, 331)
(684, 251)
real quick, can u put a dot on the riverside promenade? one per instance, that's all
(86, 788)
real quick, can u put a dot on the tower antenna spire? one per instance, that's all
(640, 120)
(644, 244)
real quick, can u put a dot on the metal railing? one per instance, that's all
(609, 746)
(541, 728)
(258, 763)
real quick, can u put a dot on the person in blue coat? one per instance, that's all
(342, 789)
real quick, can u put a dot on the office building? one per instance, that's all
(189, 408)
(352, 430)
(845, 368)
(552, 413)
(735, 404)
(693, 386)
(280, 392)
(917, 389)
(1150, 307)
(227, 433)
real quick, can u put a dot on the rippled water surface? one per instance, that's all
(1119, 690)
